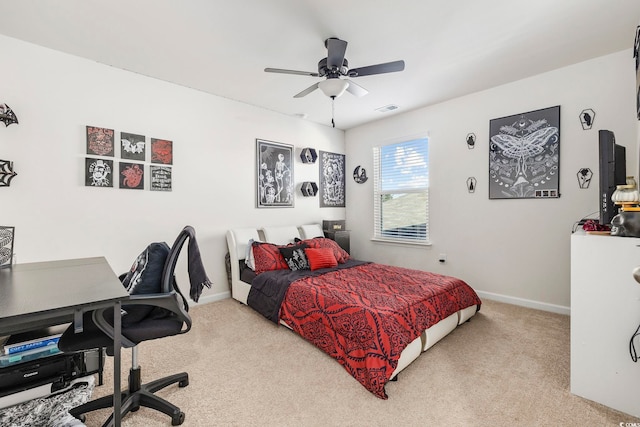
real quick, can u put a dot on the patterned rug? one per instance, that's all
(51, 411)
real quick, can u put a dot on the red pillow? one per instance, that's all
(267, 257)
(322, 242)
(320, 258)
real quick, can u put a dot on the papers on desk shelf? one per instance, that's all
(28, 355)
(28, 343)
(19, 347)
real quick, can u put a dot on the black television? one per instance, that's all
(613, 172)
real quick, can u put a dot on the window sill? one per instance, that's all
(400, 242)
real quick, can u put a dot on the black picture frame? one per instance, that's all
(524, 155)
(161, 179)
(161, 151)
(100, 141)
(332, 180)
(98, 172)
(133, 146)
(131, 176)
(275, 184)
(7, 235)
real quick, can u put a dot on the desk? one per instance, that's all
(41, 294)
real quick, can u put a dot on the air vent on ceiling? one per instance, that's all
(387, 108)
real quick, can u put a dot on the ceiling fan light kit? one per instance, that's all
(333, 88)
(336, 65)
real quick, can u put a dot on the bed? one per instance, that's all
(372, 318)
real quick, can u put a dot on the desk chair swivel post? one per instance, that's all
(168, 317)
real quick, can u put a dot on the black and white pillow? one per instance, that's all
(295, 257)
(144, 277)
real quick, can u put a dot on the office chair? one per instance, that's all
(164, 314)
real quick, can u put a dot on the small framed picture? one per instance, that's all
(100, 141)
(132, 176)
(161, 151)
(160, 178)
(98, 172)
(6, 246)
(132, 146)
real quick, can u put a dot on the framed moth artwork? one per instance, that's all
(524, 155)
(274, 175)
(332, 181)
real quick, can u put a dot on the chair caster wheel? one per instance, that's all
(183, 383)
(177, 419)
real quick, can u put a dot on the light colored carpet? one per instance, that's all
(508, 366)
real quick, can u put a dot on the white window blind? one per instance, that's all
(401, 191)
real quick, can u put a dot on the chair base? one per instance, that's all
(137, 396)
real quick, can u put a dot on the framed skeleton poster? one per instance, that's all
(274, 172)
(524, 155)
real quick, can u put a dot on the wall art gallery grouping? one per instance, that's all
(137, 157)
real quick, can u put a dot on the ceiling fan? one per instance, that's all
(334, 66)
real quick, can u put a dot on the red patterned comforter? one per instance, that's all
(366, 315)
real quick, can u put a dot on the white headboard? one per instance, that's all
(238, 241)
(280, 235)
(310, 231)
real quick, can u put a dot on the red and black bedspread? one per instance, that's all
(366, 315)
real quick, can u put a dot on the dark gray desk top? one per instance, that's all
(37, 293)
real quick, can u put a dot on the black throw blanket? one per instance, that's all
(269, 288)
(197, 275)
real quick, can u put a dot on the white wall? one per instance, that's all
(514, 250)
(56, 95)
(517, 250)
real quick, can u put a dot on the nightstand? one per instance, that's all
(341, 237)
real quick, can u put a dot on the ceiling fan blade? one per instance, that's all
(299, 73)
(307, 91)
(336, 50)
(356, 89)
(387, 67)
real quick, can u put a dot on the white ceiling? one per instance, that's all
(451, 48)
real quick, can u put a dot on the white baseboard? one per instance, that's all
(526, 303)
(206, 299)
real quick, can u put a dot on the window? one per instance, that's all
(401, 192)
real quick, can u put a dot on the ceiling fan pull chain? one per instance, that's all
(333, 110)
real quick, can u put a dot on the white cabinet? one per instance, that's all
(605, 312)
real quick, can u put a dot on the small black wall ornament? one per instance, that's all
(471, 184)
(471, 141)
(587, 118)
(360, 175)
(584, 177)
